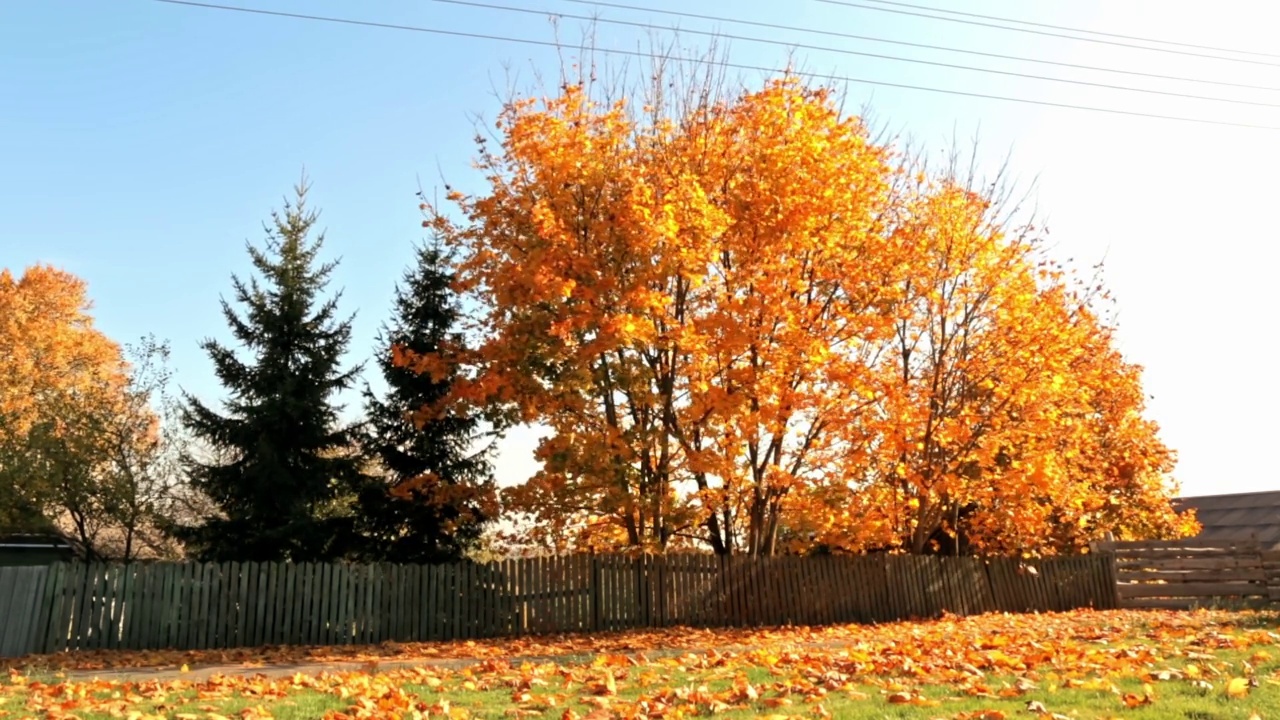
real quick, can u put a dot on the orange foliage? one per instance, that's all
(80, 445)
(50, 344)
(752, 327)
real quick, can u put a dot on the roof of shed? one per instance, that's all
(1238, 516)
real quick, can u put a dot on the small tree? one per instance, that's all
(283, 471)
(51, 358)
(435, 489)
(106, 459)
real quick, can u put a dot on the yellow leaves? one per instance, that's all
(606, 685)
(1133, 700)
(1237, 687)
(51, 345)
(908, 697)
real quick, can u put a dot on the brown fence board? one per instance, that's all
(1184, 544)
(1202, 590)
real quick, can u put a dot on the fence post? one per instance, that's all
(596, 589)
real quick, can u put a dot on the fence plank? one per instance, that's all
(418, 599)
(847, 573)
(137, 620)
(183, 616)
(208, 612)
(13, 586)
(435, 626)
(21, 592)
(573, 594)
(1202, 590)
(450, 601)
(331, 604)
(56, 627)
(409, 617)
(305, 621)
(284, 602)
(241, 599)
(172, 606)
(219, 607)
(81, 588)
(102, 608)
(153, 632)
(466, 602)
(1142, 546)
(258, 601)
(10, 586)
(304, 629)
(99, 604)
(370, 594)
(189, 604)
(1243, 574)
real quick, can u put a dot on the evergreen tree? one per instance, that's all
(283, 466)
(437, 491)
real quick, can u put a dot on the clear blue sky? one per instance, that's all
(141, 145)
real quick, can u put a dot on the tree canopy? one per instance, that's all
(750, 325)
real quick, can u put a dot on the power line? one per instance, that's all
(739, 66)
(1073, 29)
(934, 63)
(846, 3)
(926, 46)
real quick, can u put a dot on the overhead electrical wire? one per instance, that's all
(923, 46)
(740, 66)
(1045, 33)
(845, 51)
(1073, 29)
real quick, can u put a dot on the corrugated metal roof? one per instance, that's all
(1237, 516)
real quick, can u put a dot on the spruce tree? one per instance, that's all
(282, 465)
(436, 489)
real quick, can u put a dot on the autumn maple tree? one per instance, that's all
(749, 325)
(999, 399)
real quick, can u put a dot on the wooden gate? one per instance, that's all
(1189, 573)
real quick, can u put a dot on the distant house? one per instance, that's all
(29, 548)
(1240, 516)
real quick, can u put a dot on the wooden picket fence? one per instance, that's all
(1194, 572)
(143, 606)
(21, 598)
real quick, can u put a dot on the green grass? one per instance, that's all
(691, 682)
(486, 697)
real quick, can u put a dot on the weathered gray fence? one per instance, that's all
(1194, 572)
(220, 605)
(23, 611)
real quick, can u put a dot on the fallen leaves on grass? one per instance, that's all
(782, 673)
(1001, 643)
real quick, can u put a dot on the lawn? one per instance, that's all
(1198, 666)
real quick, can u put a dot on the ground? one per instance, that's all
(1126, 664)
